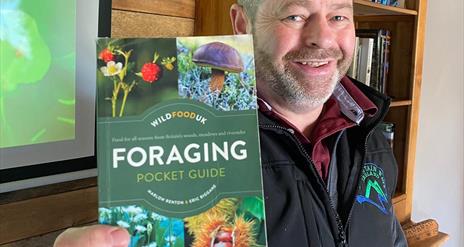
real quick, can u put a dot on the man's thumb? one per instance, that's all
(93, 236)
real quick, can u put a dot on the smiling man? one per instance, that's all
(303, 48)
(329, 174)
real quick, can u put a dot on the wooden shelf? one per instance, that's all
(398, 103)
(436, 241)
(398, 198)
(366, 8)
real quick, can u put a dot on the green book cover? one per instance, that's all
(177, 141)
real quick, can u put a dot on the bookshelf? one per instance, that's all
(407, 26)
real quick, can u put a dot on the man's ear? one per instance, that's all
(239, 19)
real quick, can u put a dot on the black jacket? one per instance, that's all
(353, 208)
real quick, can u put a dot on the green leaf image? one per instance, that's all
(25, 58)
(253, 206)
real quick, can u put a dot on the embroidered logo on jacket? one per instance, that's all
(374, 188)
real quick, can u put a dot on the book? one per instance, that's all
(177, 141)
(385, 64)
(352, 70)
(365, 60)
(394, 3)
(397, 3)
(377, 55)
(379, 58)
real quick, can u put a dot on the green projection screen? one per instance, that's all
(38, 65)
(47, 89)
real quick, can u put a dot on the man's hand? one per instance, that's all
(93, 236)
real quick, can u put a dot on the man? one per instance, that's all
(328, 173)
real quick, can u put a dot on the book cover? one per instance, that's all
(177, 141)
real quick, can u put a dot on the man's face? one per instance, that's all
(303, 48)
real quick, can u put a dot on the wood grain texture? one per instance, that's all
(40, 215)
(436, 241)
(176, 8)
(399, 206)
(212, 17)
(51, 189)
(416, 78)
(134, 24)
(401, 103)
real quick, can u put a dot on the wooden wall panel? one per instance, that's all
(152, 18)
(136, 24)
(40, 215)
(212, 17)
(178, 8)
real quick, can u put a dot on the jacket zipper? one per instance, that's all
(358, 180)
(384, 110)
(342, 242)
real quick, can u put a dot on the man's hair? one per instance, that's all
(250, 7)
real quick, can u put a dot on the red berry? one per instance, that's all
(150, 72)
(224, 236)
(106, 55)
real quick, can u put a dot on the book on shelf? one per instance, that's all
(177, 141)
(377, 54)
(377, 60)
(385, 62)
(394, 3)
(398, 3)
(352, 70)
(364, 63)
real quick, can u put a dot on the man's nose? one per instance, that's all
(317, 33)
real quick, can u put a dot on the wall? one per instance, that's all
(439, 174)
(149, 18)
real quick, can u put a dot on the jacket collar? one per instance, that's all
(363, 114)
(381, 101)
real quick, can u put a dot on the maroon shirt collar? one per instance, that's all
(331, 112)
(344, 109)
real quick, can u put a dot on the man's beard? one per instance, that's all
(300, 94)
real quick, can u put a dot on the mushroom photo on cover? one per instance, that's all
(220, 58)
(220, 73)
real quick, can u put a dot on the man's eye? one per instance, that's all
(294, 18)
(338, 18)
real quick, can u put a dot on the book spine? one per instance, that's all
(352, 71)
(386, 61)
(381, 81)
(376, 60)
(367, 46)
(359, 59)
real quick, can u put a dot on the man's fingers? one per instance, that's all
(93, 236)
